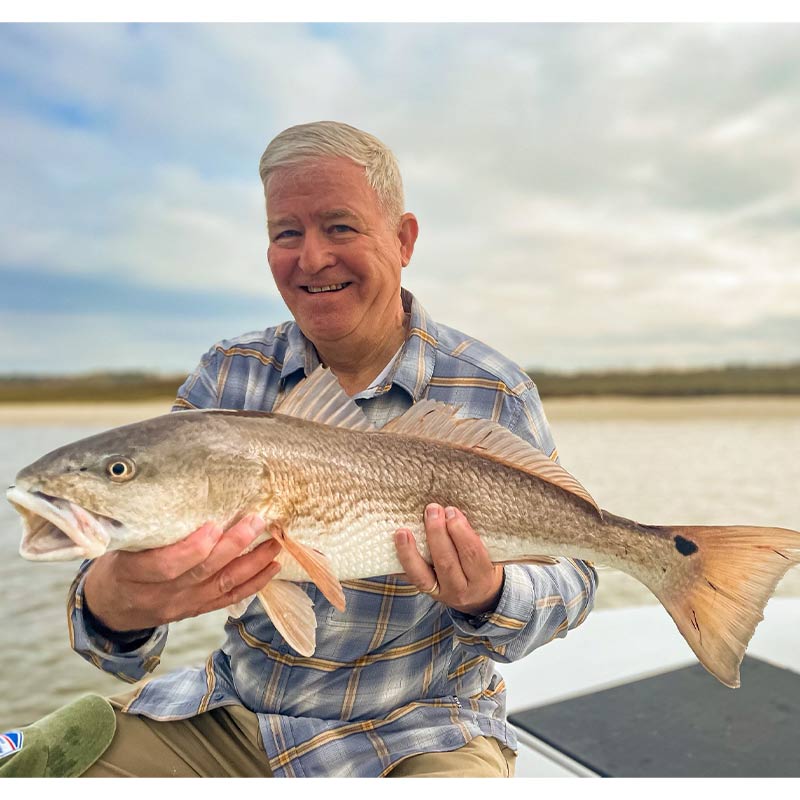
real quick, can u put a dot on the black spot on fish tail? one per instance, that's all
(711, 585)
(685, 546)
(781, 554)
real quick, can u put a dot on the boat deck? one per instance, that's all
(624, 696)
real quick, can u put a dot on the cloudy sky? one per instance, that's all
(589, 196)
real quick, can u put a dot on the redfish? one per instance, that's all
(334, 489)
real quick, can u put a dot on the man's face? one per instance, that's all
(334, 255)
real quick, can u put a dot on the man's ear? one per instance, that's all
(407, 233)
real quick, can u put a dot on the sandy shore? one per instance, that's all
(108, 415)
(568, 409)
(669, 408)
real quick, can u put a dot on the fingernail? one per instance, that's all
(432, 511)
(449, 512)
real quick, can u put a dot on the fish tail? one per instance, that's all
(718, 604)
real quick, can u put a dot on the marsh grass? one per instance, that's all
(732, 380)
(125, 387)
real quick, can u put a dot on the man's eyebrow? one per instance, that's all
(338, 213)
(327, 215)
(290, 220)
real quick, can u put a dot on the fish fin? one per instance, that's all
(718, 609)
(237, 609)
(292, 613)
(542, 560)
(316, 564)
(320, 398)
(430, 419)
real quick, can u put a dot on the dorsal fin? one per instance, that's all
(320, 398)
(430, 419)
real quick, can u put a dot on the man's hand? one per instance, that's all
(203, 572)
(467, 579)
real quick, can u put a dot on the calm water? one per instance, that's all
(656, 462)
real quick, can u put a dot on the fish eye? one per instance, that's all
(120, 468)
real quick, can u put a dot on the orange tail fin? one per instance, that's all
(719, 610)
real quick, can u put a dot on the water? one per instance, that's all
(701, 462)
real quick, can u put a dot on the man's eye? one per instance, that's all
(342, 228)
(286, 235)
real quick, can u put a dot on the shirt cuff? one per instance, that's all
(513, 612)
(113, 654)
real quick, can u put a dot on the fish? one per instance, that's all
(333, 489)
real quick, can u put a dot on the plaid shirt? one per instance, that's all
(396, 674)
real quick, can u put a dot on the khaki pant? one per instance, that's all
(226, 743)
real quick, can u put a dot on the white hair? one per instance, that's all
(315, 139)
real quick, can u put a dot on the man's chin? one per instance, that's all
(322, 328)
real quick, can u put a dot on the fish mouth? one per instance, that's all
(55, 529)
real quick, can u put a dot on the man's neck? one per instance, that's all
(357, 365)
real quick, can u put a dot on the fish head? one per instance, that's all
(135, 487)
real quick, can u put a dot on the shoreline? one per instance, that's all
(591, 409)
(64, 414)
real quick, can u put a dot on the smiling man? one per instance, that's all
(336, 253)
(403, 682)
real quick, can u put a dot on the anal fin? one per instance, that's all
(292, 613)
(315, 564)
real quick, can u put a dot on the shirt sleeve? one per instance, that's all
(114, 655)
(537, 603)
(110, 655)
(201, 388)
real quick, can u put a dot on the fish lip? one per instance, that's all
(54, 529)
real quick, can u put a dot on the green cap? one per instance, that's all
(63, 744)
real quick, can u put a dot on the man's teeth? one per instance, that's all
(332, 288)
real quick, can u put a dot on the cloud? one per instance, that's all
(589, 195)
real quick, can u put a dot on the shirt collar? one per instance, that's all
(413, 367)
(415, 364)
(300, 353)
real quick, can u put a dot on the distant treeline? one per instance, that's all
(100, 387)
(738, 380)
(135, 386)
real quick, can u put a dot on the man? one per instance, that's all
(402, 683)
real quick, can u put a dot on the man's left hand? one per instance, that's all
(462, 575)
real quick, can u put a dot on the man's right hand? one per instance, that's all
(204, 572)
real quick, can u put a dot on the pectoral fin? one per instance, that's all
(292, 614)
(315, 564)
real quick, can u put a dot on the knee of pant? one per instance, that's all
(63, 744)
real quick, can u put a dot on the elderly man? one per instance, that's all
(403, 682)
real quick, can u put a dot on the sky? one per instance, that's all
(590, 196)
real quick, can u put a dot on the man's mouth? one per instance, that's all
(333, 287)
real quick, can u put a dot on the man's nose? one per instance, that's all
(316, 253)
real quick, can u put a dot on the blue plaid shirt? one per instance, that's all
(396, 674)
